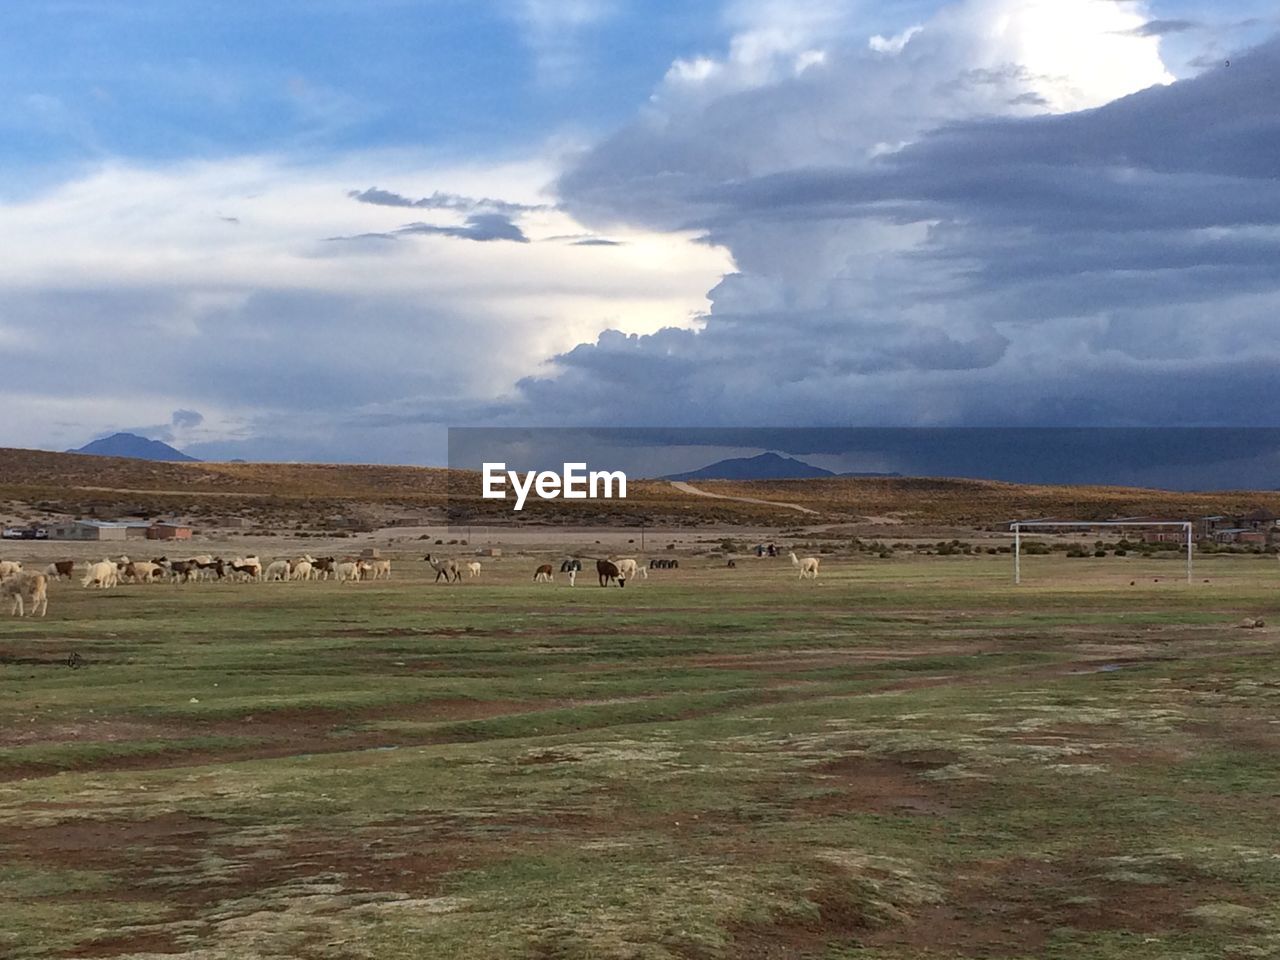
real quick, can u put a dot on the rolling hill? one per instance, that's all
(303, 494)
(135, 447)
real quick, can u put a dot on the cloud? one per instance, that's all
(895, 44)
(486, 219)
(1162, 28)
(553, 30)
(1009, 215)
(442, 201)
(120, 296)
(479, 226)
(958, 243)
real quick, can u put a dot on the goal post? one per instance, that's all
(1018, 527)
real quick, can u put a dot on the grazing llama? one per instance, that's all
(444, 567)
(808, 566)
(23, 588)
(607, 570)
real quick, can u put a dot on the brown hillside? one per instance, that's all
(278, 493)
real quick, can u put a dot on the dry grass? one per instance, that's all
(278, 494)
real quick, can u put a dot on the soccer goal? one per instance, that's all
(1188, 530)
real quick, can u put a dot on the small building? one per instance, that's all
(99, 530)
(1206, 527)
(489, 552)
(369, 553)
(1260, 520)
(232, 523)
(168, 531)
(408, 520)
(1239, 535)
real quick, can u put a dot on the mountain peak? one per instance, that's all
(133, 446)
(764, 466)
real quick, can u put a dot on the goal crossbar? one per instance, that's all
(1019, 526)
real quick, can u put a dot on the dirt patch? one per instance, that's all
(143, 941)
(278, 733)
(79, 838)
(999, 908)
(841, 916)
(410, 864)
(171, 854)
(546, 756)
(1005, 908)
(798, 661)
(419, 632)
(1240, 731)
(89, 731)
(870, 784)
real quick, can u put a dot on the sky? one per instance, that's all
(329, 230)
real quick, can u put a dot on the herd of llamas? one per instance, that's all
(28, 591)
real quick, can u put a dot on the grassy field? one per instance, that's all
(908, 758)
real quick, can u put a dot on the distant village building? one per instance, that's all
(407, 521)
(168, 531)
(1252, 527)
(353, 524)
(99, 530)
(233, 523)
(1206, 527)
(1239, 535)
(1262, 520)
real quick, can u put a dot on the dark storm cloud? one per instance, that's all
(1198, 458)
(1114, 265)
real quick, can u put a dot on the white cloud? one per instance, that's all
(211, 286)
(553, 31)
(894, 44)
(1076, 55)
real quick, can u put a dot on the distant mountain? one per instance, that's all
(134, 446)
(766, 466)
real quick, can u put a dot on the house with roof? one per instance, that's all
(99, 530)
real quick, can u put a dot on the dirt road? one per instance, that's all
(690, 488)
